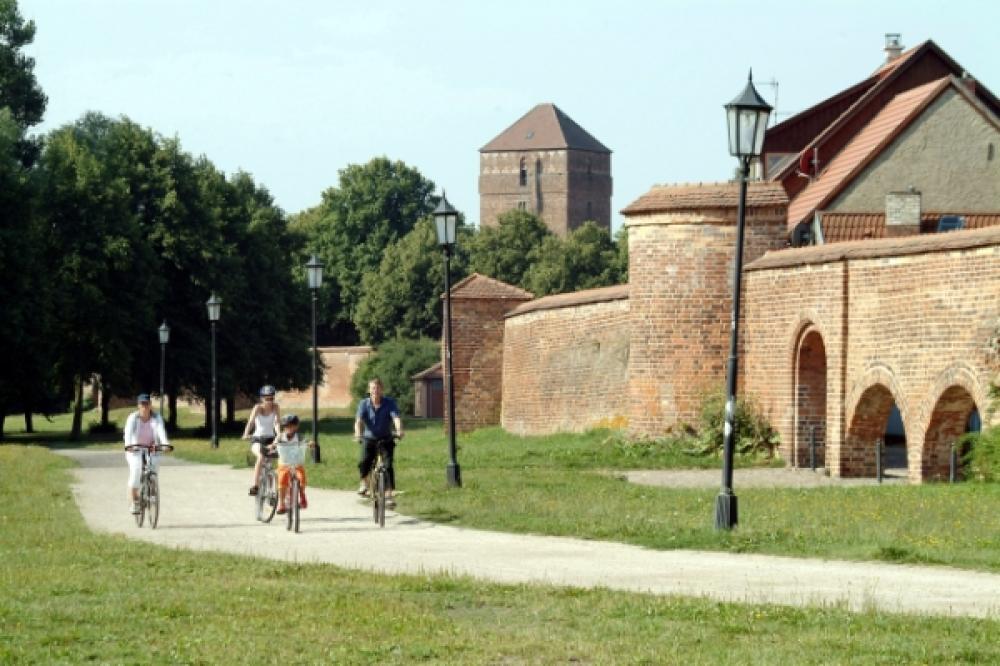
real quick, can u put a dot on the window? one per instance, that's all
(522, 205)
(523, 173)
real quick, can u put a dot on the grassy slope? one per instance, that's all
(67, 595)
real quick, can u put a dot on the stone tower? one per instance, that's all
(548, 165)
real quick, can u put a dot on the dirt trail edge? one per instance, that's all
(205, 507)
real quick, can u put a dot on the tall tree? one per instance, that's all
(585, 259)
(19, 91)
(506, 251)
(372, 206)
(402, 299)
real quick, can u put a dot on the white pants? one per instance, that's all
(134, 459)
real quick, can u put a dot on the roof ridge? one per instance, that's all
(490, 288)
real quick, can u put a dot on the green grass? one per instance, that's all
(559, 485)
(70, 596)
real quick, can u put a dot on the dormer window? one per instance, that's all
(523, 173)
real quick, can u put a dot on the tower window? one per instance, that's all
(523, 173)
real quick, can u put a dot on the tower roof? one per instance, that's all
(545, 127)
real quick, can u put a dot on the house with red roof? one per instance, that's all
(912, 148)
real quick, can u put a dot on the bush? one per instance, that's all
(983, 457)
(754, 435)
(395, 362)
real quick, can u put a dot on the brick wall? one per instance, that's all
(904, 321)
(680, 273)
(565, 366)
(335, 385)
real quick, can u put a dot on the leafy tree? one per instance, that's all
(372, 206)
(19, 91)
(394, 362)
(507, 251)
(586, 259)
(402, 299)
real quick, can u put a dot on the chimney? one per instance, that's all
(902, 213)
(893, 46)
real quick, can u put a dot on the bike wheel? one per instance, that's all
(141, 516)
(261, 498)
(288, 503)
(269, 492)
(293, 507)
(153, 500)
(381, 497)
(373, 492)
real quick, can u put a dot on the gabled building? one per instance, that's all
(908, 150)
(548, 165)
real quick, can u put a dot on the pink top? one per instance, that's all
(145, 434)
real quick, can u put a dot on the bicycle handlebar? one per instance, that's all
(158, 448)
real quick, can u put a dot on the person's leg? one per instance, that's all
(255, 479)
(300, 471)
(368, 449)
(134, 460)
(388, 451)
(284, 481)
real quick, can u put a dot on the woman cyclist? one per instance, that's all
(143, 427)
(263, 422)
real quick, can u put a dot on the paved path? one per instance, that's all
(205, 507)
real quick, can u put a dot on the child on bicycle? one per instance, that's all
(291, 460)
(142, 427)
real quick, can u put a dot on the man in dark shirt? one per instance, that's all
(373, 427)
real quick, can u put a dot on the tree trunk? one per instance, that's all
(29, 424)
(77, 428)
(105, 405)
(230, 410)
(208, 415)
(172, 400)
(3, 417)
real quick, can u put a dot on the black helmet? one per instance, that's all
(266, 389)
(289, 419)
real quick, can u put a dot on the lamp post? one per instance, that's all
(214, 305)
(314, 274)
(164, 332)
(747, 120)
(446, 219)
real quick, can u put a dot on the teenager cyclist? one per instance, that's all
(263, 423)
(373, 427)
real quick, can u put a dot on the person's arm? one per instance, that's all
(277, 420)
(129, 424)
(397, 419)
(358, 423)
(253, 415)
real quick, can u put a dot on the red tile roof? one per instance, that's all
(874, 249)
(544, 127)
(841, 227)
(665, 198)
(480, 286)
(863, 148)
(587, 296)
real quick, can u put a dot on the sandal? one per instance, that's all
(253, 490)
(282, 510)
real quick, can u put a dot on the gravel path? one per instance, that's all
(205, 507)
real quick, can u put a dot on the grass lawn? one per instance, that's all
(68, 596)
(557, 485)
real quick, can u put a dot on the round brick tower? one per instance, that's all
(682, 241)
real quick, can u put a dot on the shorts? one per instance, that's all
(134, 459)
(257, 441)
(285, 476)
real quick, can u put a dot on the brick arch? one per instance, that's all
(809, 394)
(955, 395)
(870, 405)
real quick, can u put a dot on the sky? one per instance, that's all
(291, 91)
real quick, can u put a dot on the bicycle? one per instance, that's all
(266, 500)
(378, 481)
(292, 455)
(149, 486)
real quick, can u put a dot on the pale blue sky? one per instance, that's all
(294, 90)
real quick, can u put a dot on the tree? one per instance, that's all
(402, 299)
(586, 259)
(372, 206)
(19, 91)
(506, 251)
(394, 363)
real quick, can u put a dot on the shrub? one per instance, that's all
(754, 435)
(983, 457)
(395, 362)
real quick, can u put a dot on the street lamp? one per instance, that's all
(214, 305)
(446, 219)
(314, 274)
(747, 119)
(164, 332)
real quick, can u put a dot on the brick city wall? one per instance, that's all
(335, 386)
(680, 276)
(477, 360)
(565, 368)
(911, 321)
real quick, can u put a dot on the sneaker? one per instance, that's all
(135, 508)
(253, 490)
(303, 504)
(363, 489)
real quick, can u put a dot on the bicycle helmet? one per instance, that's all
(289, 419)
(266, 389)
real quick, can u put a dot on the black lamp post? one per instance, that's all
(747, 119)
(314, 274)
(164, 332)
(446, 219)
(214, 305)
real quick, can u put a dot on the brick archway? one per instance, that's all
(947, 422)
(867, 425)
(810, 393)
